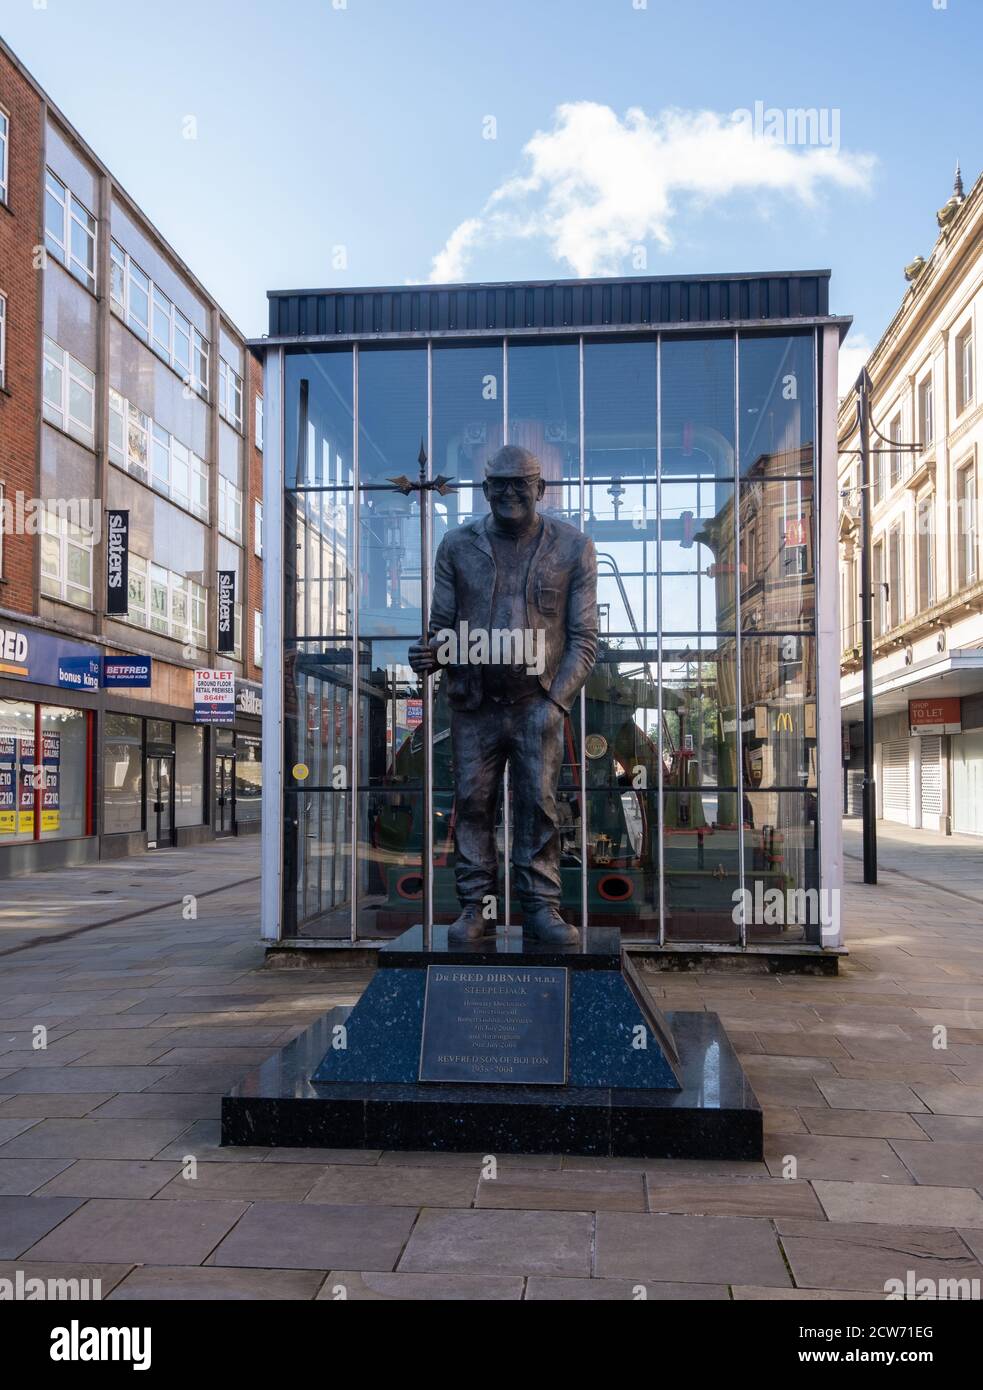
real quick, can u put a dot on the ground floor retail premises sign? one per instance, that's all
(215, 697)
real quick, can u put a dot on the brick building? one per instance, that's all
(126, 395)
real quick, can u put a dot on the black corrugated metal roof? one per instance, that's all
(560, 305)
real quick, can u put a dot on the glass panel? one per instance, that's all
(778, 582)
(189, 775)
(64, 760)
(318, 524)
(16, 771)
(777, 405)
(248, 778)
(698, 407)
(122, 773)
(317, 730)
(392, 405)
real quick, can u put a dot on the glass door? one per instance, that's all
(225, 767)
(160, 801)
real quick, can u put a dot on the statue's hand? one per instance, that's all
(423, 658)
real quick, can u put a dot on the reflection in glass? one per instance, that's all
(777, 405)
(392, 420)
(778, 582)
(697, 407)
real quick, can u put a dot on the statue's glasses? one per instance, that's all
(522, 487)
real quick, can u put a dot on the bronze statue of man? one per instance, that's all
(514, 620)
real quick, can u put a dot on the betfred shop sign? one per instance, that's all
(215, 697)
(942, 716)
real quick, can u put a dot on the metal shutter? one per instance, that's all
(894, 763)
(932, 776)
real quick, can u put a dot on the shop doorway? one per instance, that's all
(225, 794)
(160, 801)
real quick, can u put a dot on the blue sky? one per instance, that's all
(363, 125)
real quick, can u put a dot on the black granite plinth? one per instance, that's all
(603, 950)
(713, 1113)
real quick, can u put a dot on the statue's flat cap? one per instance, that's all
(513, 462)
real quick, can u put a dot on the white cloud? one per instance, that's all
(595, 185)
(853, 354)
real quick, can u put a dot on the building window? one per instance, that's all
(925, 542)
(156, 321)
(896, 457)
(895, 560)
(229, 509)
(926, 413)
(69, 231)
(259, 422)
(3, 340)
(4, 156)
(140, 446)
(229, 394)
(965, 372)
(165, 602)
(258, 529)
(879, 597)
(257, 638)
(122, 773)
(966, 525)
(66, 558)
(69, 394)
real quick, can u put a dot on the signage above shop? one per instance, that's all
(249, 700)
(44, 659)
(226, 610)
(215, 697)
(117, 562)
(942, 716)
(129, 671)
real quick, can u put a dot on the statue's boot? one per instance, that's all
(544, 923)
(470, 925)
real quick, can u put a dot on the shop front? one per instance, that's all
(687, 426)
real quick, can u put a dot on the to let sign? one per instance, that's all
(943, 716)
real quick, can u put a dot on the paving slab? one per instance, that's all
(500, 1242)
(206, 1282)
(835, 1157)
(688, 1249)
(24, 1220)
(365, 1286)
(21, 1176)
(542, 1288)
(850, 1256)
(106, 1177)
(313, 1235)
(132, 1231)
(902, 1206)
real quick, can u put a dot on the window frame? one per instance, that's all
(194, 371)
(4, 156)
(232, 532)
(230, 394)
(965, 368)
(967, 538)
(3, 340)
(84, 433)
(258, 527)
(925, 392)
(142, 614)
(58, 585)
(196, 502)
(62, 248)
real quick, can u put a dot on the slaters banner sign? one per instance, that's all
(226, 610)
(117, 561)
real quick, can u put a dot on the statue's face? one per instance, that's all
(513, 500)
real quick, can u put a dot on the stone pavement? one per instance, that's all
(947, 861)
(874, 1161)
